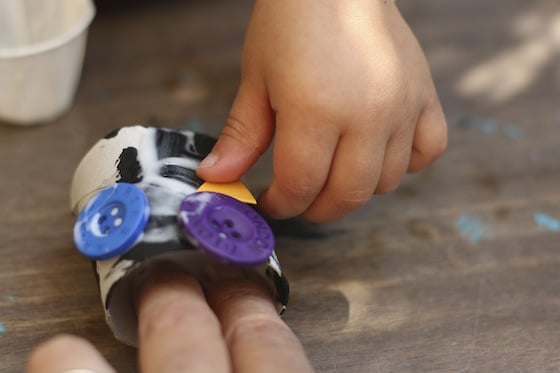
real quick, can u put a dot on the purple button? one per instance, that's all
(225, 228)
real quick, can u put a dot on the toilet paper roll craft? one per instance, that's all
(138, 199)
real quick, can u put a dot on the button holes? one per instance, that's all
(114, 211)
(228, 223)
(215, 223)
(102, 219)
(236, 234)
(192, 205)
(222, 235)
(117, 222)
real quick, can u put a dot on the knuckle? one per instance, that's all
(242, 132)
(326, 105)
(258, 327)
(387, 186)
(436, 148)
(300, 190)
(354, 199)
(232, 290)
(439, 134)
(337, 207)
(431, 145)
(235, 128)
(440, 145)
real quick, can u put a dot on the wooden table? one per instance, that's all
(458, 270)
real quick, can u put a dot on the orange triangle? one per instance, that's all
(236, 189)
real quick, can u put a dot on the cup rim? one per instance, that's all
(53, 43)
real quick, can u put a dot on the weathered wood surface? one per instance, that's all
(458, 270)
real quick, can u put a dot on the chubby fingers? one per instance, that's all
(324, 166)
(258, 340)
(354, 175)
(178, 332)
(66, 353)
(430, 137)
(323, 171)
(303, 152)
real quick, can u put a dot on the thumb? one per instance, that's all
(248, 132)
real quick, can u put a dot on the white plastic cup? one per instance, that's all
(42, 46)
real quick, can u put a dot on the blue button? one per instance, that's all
(111, 222)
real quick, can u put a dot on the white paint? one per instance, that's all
(98, 170)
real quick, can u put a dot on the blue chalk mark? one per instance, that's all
(547, 222)
(472, 228)
(513, 132)
(189, 78)
(194, 125)
(488, 126)
(2, 328)
(9, 298)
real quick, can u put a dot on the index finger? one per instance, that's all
(178, 332)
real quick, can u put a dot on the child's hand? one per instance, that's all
(345, 89)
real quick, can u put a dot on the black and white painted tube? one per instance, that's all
(135, 195)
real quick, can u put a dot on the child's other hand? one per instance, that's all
(344, 88)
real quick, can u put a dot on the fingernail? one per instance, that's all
(210, 160)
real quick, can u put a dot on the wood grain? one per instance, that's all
(450, 273)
